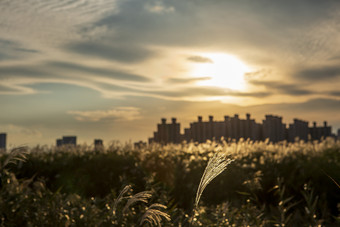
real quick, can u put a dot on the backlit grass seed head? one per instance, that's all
(139, 197)
(16, 155)
(120, 197)
(216, 165)
(153, 215)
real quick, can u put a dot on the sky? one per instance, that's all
(111, 69)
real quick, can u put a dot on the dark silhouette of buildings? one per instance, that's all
(317, 133)
(98, 142)
(140, 144)
(299, 129)
(273, 128)
(67, 140)
(59, 142)
(3, 138)
(167, 133)
(231, 127)
(234, 128)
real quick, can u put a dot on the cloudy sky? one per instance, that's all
(111, 69)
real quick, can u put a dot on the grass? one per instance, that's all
(265, 185)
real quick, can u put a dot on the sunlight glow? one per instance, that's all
(224, 71)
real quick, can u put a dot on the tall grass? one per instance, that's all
(266, 184)
(216, 165)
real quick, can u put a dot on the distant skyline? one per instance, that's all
(111, 69)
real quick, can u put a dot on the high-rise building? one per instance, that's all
(98, 142)
(318, 133)
(70, 140)
(234, 128)
(66, 140)
(273, 128)
(167, 133)
(3, 137)
(59, 142)
(298, 130)
(140, 144)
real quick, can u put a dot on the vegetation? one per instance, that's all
(265, 185)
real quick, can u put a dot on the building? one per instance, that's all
(231, 128)
(70, 140)
(59, 142)
(235, 128)
(273, 128)
(140, 144)
(197, 131)
(67, 140)
(3, 138)
(167, 133)
(98, 144)
(298, 131)
(317, 133)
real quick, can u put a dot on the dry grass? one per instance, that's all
(216, 165)
(153, 215)
(139, 197)
(16, 155)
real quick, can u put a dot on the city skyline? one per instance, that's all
(236, 128)
(111, 68)
(230, 128)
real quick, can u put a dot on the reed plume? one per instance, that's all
(216, 165)
(153, 215)
(139, 197)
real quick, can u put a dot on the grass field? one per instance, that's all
(284, 184)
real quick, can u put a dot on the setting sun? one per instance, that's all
(223, 70)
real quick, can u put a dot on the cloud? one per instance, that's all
(14, 89)
(159, 7)
(335, 93)
(18, 79)
(283, 88)
(119, 114)
(237, 26)
(318, 73)
(123, 53)
(199, 92)
(23, 70)
(10, 50)
(200, 59)
(111, 73)
(109, 82)
(334, 58)
(186, 80)
(17, 129)
(320, 104)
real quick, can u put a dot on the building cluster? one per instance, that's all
(272, 128)
(67, 140)
(72, 141)
(3, 137)
(231, 128)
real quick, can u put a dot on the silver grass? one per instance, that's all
(139, 197)
(153, 215)
(121, 196)
(216, 165)
(17, 154)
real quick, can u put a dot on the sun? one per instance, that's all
(221, 70)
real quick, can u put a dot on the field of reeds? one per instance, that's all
(264, 184)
